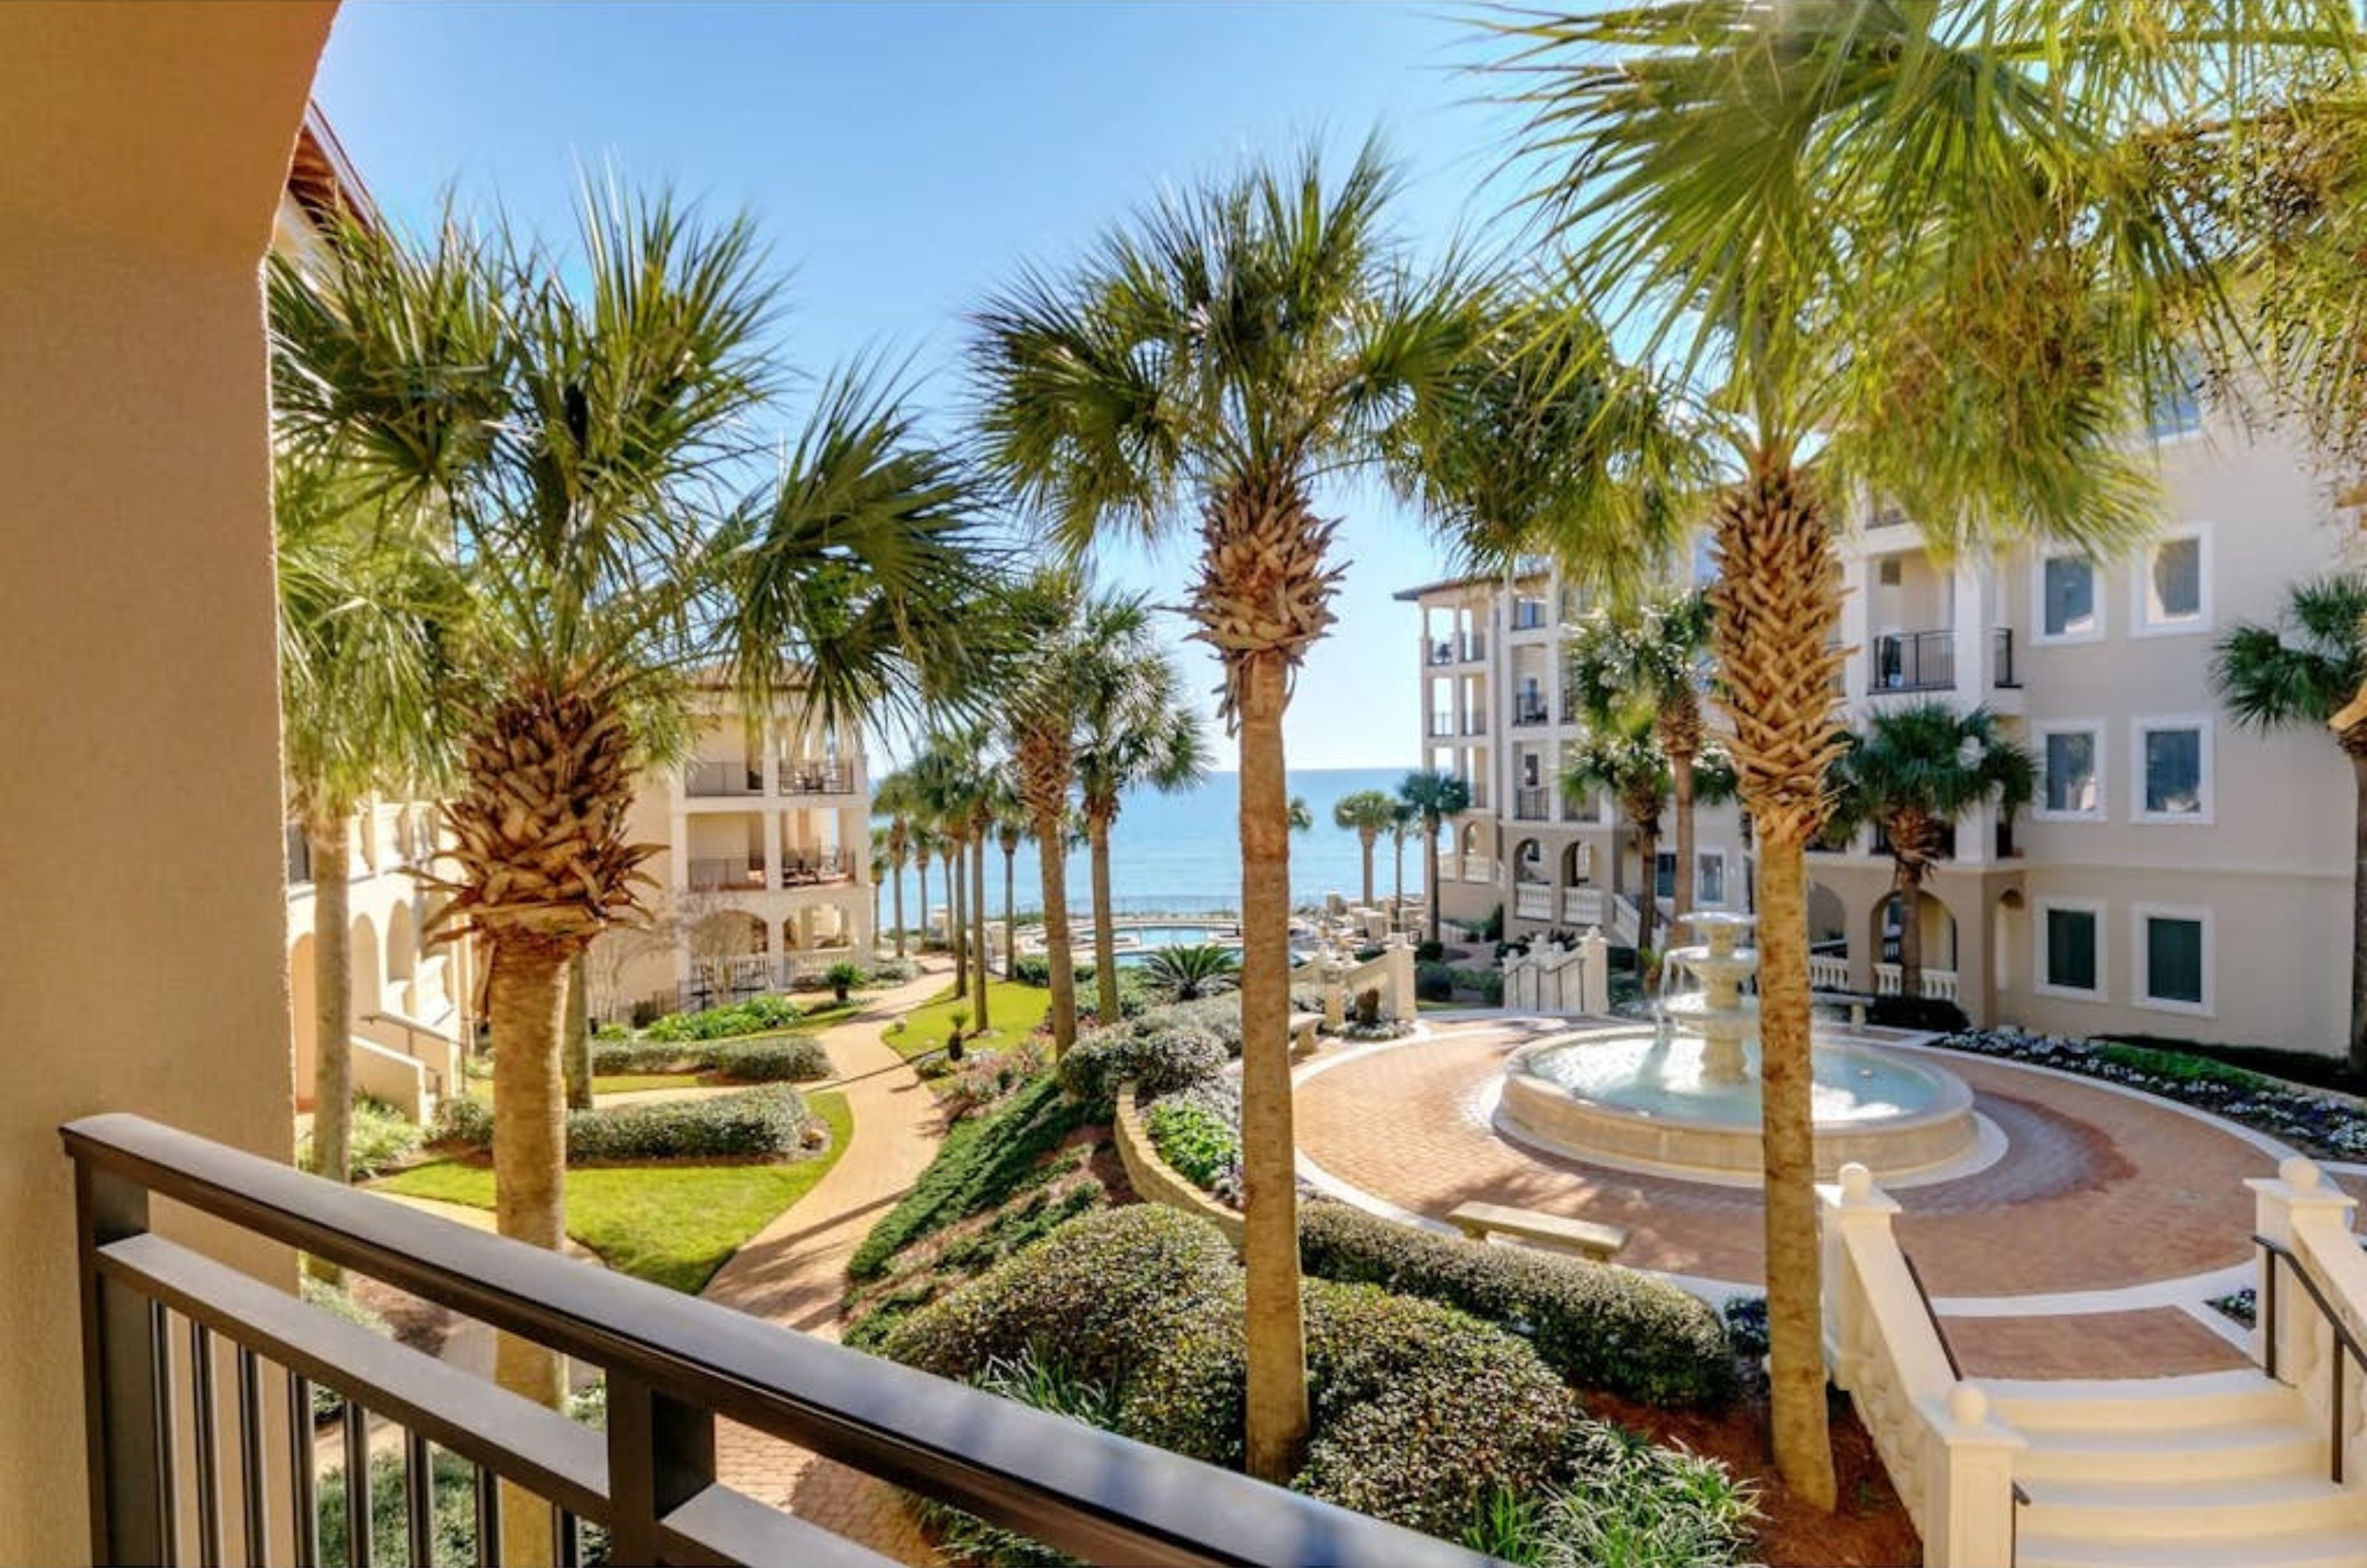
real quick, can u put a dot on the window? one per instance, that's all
(2173, 769)
(2176, 411)
(2067, 599)
(2071, 949)
(2071, 773)
(1664, 874)
(1709, 878)
(2173, 958)
(2173, 584)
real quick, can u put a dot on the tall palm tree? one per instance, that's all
(1913, 772)
(878, 873)
(892, 796)
(577, 418)
(1624, 757)
(1201, 368)
(944, 779)
(1367, 813)
(925, 844)
(1010, 833)
(1653, 658)
(366, 607)
(2302, 671)
(1136, 729)
(1298, 815)
(1432, 796)
(1898, 251)
(1402, 823)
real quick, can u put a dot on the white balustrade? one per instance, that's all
(1937, 983)
(1582, 905)
(1479, 868)
(1533, 901)
(1827, 973)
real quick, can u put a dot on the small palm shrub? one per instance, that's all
(1159, 1055)
(1190, 974)
(843, 978)
(1599, 1326)
(1641, 1506)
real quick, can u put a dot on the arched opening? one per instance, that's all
(1467, 845)
(1933, 917)
(304, 1006)
(368, 967)
(2008, 926)
(1578, 865)
(402, 944)
(1529, 862)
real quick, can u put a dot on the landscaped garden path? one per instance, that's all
(793, 1272)
(2086, 1251)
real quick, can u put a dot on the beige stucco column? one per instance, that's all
(142, 153)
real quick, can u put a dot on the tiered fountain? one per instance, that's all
(1683, 1095)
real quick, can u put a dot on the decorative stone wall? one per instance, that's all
(1155, 1181)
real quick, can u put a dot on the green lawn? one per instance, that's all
(672, 1224)
(630, 1083)
(1015, 1010)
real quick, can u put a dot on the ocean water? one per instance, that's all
(1182, 852)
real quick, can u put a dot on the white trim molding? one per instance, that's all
(2039, 636)
(2206, 804)
(2141, 959)
(2096, 730)
(2039, 983)
(2142, 621)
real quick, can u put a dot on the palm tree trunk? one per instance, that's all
(2359, 918)
(529, 1006)
(1681, 769)
(1052, 856)
(956, 921)
(1009, 922)
(1366, 836)
(875, 911)
(1396, 901)
(1776, 606)
(1278, 1413)
(896, 874)
(921, 868)
(1106, 1005)
(1430, 875)
(575, 1058)
(332, 999)
(1908, 883)
(1648, 897)
(978, 923)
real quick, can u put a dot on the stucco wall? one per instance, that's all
(142, 150)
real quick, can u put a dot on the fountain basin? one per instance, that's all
(1638, 1095)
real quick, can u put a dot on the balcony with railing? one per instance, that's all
(1902, 663)
(1439, 650)
(1474, 647)
(816, 776)
(1442, 726)
(199, 1417)
(707, 777)
(806, 868)
(726, 874)
(1475, 723)
(1529, 708)
(1533, 803)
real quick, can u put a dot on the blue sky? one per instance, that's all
(904, 159)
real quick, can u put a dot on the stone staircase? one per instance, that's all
(2222, 1468)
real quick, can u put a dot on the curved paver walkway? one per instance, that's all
(793, 1272)
(2079, 1253)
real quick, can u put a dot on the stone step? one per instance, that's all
(2279, 1549)
(2204, 1400)
(2226, 1511)
(2233, 1451)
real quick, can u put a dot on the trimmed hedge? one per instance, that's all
(1433, 983)
(1600, 1326)
(983, 1161)
(1160, 1055)
(791, 1058)
(753, 1124)
(752, 1016)
(1936, 1014)
(1201, 1144)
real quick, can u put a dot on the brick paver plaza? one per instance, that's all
(2098, 1192)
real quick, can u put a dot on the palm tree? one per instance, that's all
(925, 844)
(946, 781)
(1905, 252)
(1135, 730)
(1652, 657)
(1432, 796)
(1010, 833)
(1189, 972)
(1624, 758)
(2302, 672)
(365, 608)
(1201, 369)
(1402, 823)
(1914, 772)
(878, 873)
(1299, 814)
(576, 421)
(1367, 813)
(893, 797)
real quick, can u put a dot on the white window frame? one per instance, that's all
(2142, 624)
(2039, 636)
(2093, 728)
(2206, 786)
(2141, 993)
(2200, 428)
(2039, 982)
(1725, 869)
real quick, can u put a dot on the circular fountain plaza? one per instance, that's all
(2068, 1228)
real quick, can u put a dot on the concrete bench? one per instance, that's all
(1303, 1027)
(1856, 1001)
(1480, 1221)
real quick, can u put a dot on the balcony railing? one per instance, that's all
(1474, 724)
(1441, 651)
(803, 868)
(1528, 615)
(1913, 661)
(1533, 901)
(817, 778)
(1528, 707)
(1474, 647)
(713, 778)
(2002, 672)
(1442, 726)
(1533, 803)
(727, 874)
(160, 1322)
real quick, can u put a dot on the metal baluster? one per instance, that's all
(563, 1535)
(206, 1437)
(168, 1491)
(2269, 1314)
(489, 1519)
(304, 1465)
(2335, 1363)
(358, 1491)
(418, 1496)
(250, 1457)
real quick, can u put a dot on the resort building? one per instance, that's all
(765, 877)
(2178, 875)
